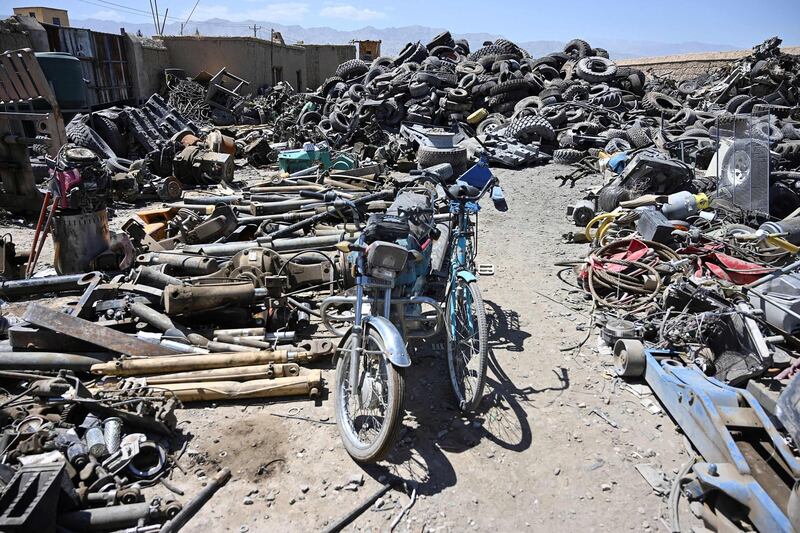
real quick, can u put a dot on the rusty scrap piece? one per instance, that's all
(309, 384)
(181, 363)
(85, 330)
(237, 373)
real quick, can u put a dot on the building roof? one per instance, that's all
(41, 7)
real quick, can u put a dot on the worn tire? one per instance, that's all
(352, 69)
(427, 156)
(78, 132)
(578, 47)
(510, 86)
(526, 127)
(733, 104)
(328, 85)
(567, 156)
(109, 131)
(656, 103)
(638, 136)
(595, 69)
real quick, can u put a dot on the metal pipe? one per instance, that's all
(247, 332)
(358, 511)
(47, 226)
(34, 286)
(217, 346)
(51, 361)
(179, 363)
(151, 276)
(273, 208)
(151, 316)
(42, 212)
(239, 373)
(252, 342)
(283, 217)
(279, 245)
(204, 391)
(213, 200)
(105, 518)
(195, 504)
(191, 264)
(311, 221)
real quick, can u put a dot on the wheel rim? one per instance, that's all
(363, 416)
(463, 344)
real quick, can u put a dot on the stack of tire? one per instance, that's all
(573, 103)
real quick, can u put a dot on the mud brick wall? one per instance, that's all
(688, 66)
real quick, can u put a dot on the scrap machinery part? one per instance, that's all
(195, 164)
(743, 454)
(24, 90)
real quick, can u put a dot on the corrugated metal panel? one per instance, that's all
(103, 61)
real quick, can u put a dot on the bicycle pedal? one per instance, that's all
(486, 269)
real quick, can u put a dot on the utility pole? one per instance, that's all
(183, 24)
(271, 56)
(255, 29)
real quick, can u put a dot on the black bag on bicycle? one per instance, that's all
(383, 227)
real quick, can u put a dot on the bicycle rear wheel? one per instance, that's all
(467, 343)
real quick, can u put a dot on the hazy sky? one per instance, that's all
(736, 22)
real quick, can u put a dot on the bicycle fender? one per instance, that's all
(467, 276)
(395, 345)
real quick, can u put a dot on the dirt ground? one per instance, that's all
(553, 446)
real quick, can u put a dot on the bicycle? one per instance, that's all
(467, 336)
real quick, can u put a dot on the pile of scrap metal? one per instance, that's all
(78, 458)
(219, 303)
(693, 273)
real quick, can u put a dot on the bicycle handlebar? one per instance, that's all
(440, 181)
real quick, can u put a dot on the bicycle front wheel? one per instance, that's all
(467, 343)
(369, 419)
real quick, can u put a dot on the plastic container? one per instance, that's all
(64, 73)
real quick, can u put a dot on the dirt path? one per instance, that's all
(543, 452)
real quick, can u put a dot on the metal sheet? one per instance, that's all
(90, 332)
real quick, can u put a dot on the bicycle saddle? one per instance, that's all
(462, 190)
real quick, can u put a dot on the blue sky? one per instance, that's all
(735, 22)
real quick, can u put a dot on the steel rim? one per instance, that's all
(463, 344)
(364, 416)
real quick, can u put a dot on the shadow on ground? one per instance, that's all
(434, 425)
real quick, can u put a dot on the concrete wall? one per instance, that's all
(689, 66)
(246, 57)
(147, 60)
(22, 32)
(322, 60)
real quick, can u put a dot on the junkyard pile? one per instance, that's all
(215, 295)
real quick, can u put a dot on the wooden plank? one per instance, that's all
(22, 75)
(85, 330)
(40, 83)
(10, 78)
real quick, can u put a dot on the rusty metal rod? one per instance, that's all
(237, 373)
(33, 286)
(45, 232)
(234, 390)
(180, 363)
(42, 212)
(195, 504)
(51, 360)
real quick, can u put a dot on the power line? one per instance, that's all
(129, 11)
(255, 29)
(149, 15)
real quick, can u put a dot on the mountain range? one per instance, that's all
(393, 39)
